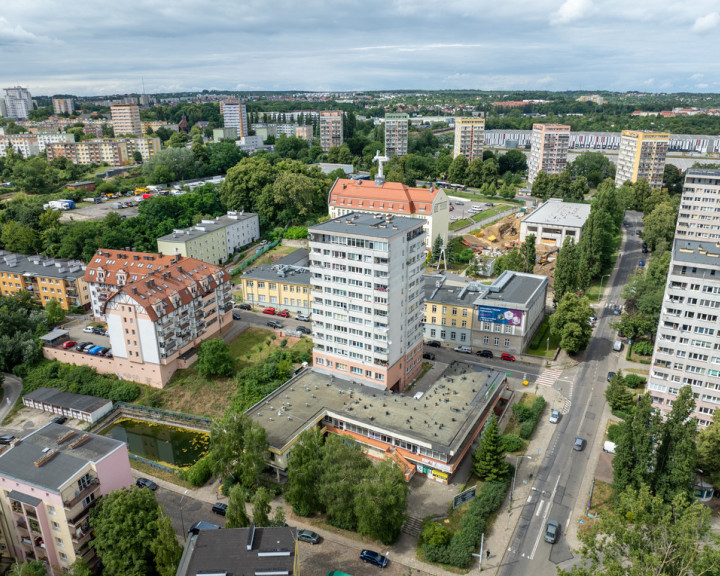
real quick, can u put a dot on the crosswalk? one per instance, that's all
(548, 377)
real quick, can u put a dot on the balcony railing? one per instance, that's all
(91, 487)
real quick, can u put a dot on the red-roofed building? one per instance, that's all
(432, 204)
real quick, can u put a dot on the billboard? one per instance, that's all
(499, 315)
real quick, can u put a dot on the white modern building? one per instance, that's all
(469, 138)
(18, 102)
(63, 105)
(548, 149)
(32, 144)
(555, 220)
(396, 134)
(699, 214)
(234, 115)
(126, 120)
(367, 295)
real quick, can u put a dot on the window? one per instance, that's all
(462, 337)
(55, 526)
(454, 311)
(486, 339)
(443, 334)
(464, 323)
(63, 556)
(497, 341)
(452, 336)
(59, 541)
(51, 510)
(464, 312)
(432, 333)
(507, 342)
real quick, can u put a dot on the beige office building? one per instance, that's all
(126, 119)
(642, 155)
(469, 138)
(396, 134)
(548, 149)
(63, 105)
(331, 129)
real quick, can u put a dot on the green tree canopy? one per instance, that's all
(214, 358)
(238, 449)
(236, 514)
(571, 322)
(489, 462)
(304, 471)
(381, 501)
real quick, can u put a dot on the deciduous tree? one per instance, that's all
(304, 471)
(214, 358)
(381, 501)
(570, 322)
(165, 547)
(261, 507)
(238, 449)
(236, 514)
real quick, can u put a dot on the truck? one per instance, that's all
(61, 204)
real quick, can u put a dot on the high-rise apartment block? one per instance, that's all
(114, 151)
(304, 132)
(548, 149)
(126, 119)
(396, 134)
(699, 215)
(367, 292)
(18, 102)
(331, 129)
(642, 155)
(49, 483)
(234, 115)
(469, 138)
(63, 105)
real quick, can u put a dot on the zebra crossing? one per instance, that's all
(548, 377)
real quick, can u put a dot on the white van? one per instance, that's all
(477, 207)
(609, 447)
(618, 346)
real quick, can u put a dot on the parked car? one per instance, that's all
(308, 536)
(463, 349)
(618, 346)
(433, 344)
(202, 525)
(508, 357)
(243, 306)
(94, 351)
(275, 325)
(146, 483)
(641, 263)
(485, 353)
(59, 420)
(579, 444)
(638, 232)
(610, 376)
(617, 310)
(489, 204)
(302, 317)
(304, 330)
(68, 344)
(220, 508)
(98, 331)
(87, 347)
(88, 329)
(552, 531)
(429, 356)
(236, 315)
(284, 314)
(372, 557)
(6, 438)
(79, 347)
(269, 311)
(592, 319)
(554, 416)
(104, 351)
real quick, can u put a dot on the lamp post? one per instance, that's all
(182, 520)
(601, 281)
(517, 464)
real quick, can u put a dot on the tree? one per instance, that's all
(214, 358)
(261, 507)
(490, 171)
(708, 450)
(617, 395)
(474, 178)
(659, 226)
(571, 322)
(566, 270)
(458, 169)
(295, 194)
(673, 179)
(541, 186)
(165, 547)
(489, 458)
(238, 449)
(436, 248)
(594, 166)
(33, 568)
(177, 162)
(304, 467)
(646, 536)
(528, 252)
(512, 161)
(381, 503)
(244, 182)
(54, 312)
(137, 156)
(236, 515)
(279, 517)
(80, 568)
(512, 260)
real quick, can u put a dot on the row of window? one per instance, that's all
(453, 311)
(273, 286)
(379, 376)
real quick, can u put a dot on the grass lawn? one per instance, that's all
(601, 502)
(538, 346)
(470, 195)
(275, 254)
(459, 224)
(513, 425)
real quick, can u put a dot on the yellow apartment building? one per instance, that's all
(284, 285)
(642, 155)
(448, 311)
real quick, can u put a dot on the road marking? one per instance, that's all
(547, 513)
(540, 507)
(548, 377)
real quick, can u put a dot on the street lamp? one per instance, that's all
(182, 520)
(517, 464)
(601, 281)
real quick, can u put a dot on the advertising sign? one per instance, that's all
(500, 315)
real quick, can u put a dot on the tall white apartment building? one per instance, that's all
(32, 144)
(63, 105)
(469, 138)
(18, 102)
(234, 115)
(331, 129)
(396, 134)
(687, 347)
(699, 214)
(548, 149)
(367, 293)
(642, 155)
(126, 119)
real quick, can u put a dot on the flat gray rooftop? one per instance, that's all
(40, 266)
(365, 224)
(704, 253)
(450, 294)
(512, 289)
(710, 172)
(440, 419)
(202, 228)
(67, 400)
(557, 213)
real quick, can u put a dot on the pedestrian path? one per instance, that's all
(548, 377)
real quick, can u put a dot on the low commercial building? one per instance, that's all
(284, 284)
(78, 406)
(270, 551)
(509, 312)
(49, 482)
(213, 240)
(46, 278)
(449, 310)
(555, 220)
(227, 133)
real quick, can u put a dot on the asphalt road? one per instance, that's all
(556, 489)
(518, 369)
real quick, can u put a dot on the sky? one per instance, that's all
(97, 47)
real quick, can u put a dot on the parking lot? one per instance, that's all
(98, 211)
(75, 328)
(462, 208)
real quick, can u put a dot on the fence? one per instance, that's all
(152, 464)
(125, 409)
(235, 271)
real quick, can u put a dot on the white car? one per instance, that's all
(453, 218)
(88, 329)
(554, 416)
(463, 349)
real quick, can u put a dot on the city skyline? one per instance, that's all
(549, 45)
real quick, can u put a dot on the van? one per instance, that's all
(618, 346)
(477, 207)
(609, 447)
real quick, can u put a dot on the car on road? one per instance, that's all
(459, 203)
(484, 353)
(59, 420)
(308, 536)
(489, 204)
(202, 525)
(6, 438)
(618, 346)
(429, 356)
(617, 310)
(592, 319)
(269, 311)
(641, 263)
(433, 344)
(303, 330)
(552, 531)
(79, 347)
(88, 330)
(236, 315)
(275, 325)
(372, 557)
(508, 357)
(243, 306)
(610, 376)
(283, 314)
(98, 331)
(220, 508)
(302, 317)
(452, 208)
(579, 444)
(463, 349)
(68, 344)
(554, 416)
(146, 483)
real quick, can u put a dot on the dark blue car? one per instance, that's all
(373, 557)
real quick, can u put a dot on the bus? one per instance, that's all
(448, 185)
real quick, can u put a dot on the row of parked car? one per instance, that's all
(88, 347)
(98, 331)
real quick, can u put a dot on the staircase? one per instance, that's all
(413, 526)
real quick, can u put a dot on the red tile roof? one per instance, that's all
(392, 197)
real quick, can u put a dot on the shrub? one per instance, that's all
(511, 442)
(522, 412)
(526, 429)
(538, 406)
(635, 381)
(200, 472)
(643, 348)
(614, 432)
(296, 232)
(283, 343)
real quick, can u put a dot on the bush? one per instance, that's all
(526, 429)
(538, 406)
(522, 412)
(622, 415)
(643, 348)
(635, 381)
(200, 472)
(296, 233)
(614, 432)
(511, 442)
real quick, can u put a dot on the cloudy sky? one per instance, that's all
(93, 47)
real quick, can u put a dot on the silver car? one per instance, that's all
(554, 416)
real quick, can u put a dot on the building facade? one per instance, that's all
(367, 293)
(331, 129)
(449, 310)
(63, 105)
(112, 151)
(304, 132)
(46, 278)
(32, 144)
(642, 155)
(687, 346)
(430, 204)
(555, 220)
(126, 119)
(213, 240)
(227, 133)
(548, 149)
(49, 483)
(396, 134)
(699, 214)
(147, 147)
(285, 284)
(234, 115)
(18, 102)
(469, 138)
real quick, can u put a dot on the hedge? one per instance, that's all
(199, 473)
(528, 416)
(511, 442)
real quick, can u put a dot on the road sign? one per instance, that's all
(463, 497)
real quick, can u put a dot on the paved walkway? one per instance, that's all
(12, 388)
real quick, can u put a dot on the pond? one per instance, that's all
(160, 442)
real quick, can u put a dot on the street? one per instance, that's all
(556, 491)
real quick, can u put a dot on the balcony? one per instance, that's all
(80, 496)
(79, 518)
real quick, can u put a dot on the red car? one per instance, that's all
(508, 357)
(68, 344)
(284, 314)
(269, 311)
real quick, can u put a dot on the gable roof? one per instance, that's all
(393, 197)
